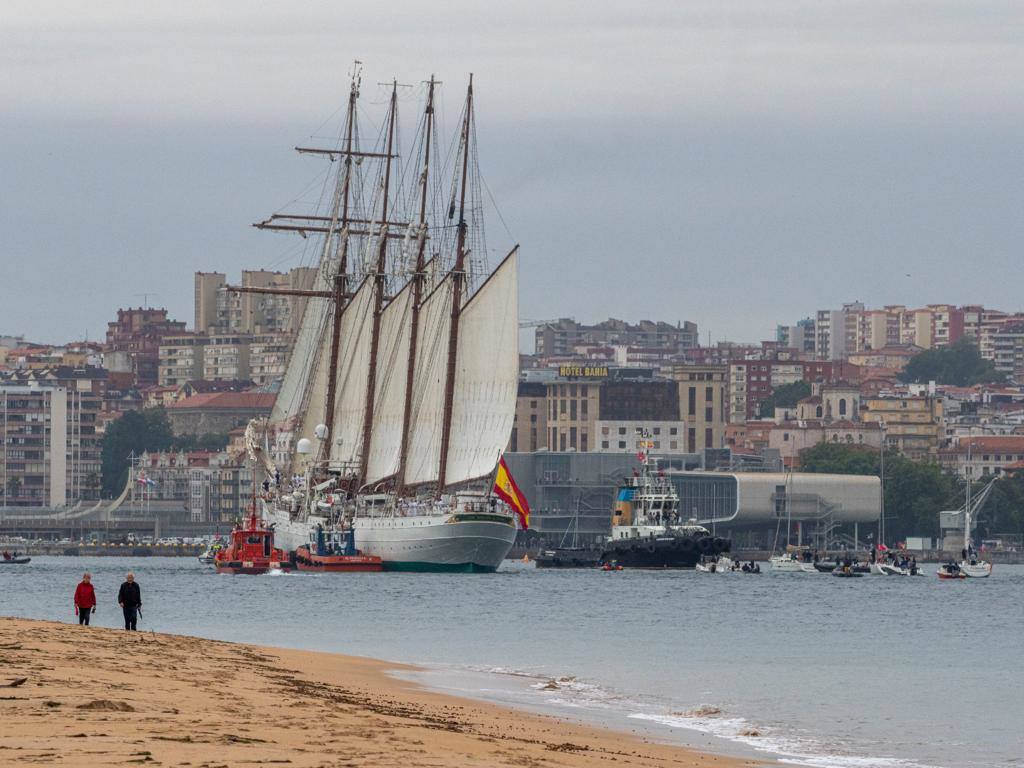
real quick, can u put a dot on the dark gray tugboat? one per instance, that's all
(647, 530)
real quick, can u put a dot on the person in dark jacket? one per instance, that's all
(129, 597)
(85, 599)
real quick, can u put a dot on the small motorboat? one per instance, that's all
(950, 571)
(611, 566)
(209, 555)
(251, 550)
(334, 551)
(15, 560)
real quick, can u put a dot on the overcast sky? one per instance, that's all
(737, 164)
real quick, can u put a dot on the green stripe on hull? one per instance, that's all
(416, 567)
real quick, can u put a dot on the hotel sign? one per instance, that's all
(583, 371)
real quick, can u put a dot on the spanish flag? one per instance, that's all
(507, 490)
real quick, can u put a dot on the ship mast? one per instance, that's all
(340, 274)
(378, 291)
(458, 280)
(418, 277)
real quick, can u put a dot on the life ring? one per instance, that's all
(652, 547)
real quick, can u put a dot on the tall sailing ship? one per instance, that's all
(400, 391)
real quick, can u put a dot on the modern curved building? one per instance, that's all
(753, 499)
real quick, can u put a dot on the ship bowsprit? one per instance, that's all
(669, 550)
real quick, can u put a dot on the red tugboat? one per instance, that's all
(334, 552)
(251, 550)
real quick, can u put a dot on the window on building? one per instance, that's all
(785, 437)
(583, 390)
(709, 438)
(533, 439)
(572, 437)
(572, 410)
(657, 430)
(605, 430)
(622, 430)
(709, 394)
(673, 444)
(561, 406)
(818, 412)
(622, 443)
(842, 406)
(691, 405)
(709, 413)
(561, 442)
(673, 430)
(514, 442)
(584, 442)
(583, 408)
(604, 443)
(533, 418)
(553, 445)
(691, 440)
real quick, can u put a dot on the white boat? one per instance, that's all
(400, 392)
(888, 569)
(789, 563)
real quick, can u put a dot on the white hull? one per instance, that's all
(290, 534)
(784, 564)
(432, 543)
(979, 570)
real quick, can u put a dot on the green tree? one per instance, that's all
(135, 432)
(915, 491)
(959, 364)
(785, 396)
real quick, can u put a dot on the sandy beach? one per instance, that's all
(96, 697)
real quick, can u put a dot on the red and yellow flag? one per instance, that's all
(507, 490)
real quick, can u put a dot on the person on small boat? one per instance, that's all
(129, 597)
(85, 599)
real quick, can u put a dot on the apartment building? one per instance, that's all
(226, 357)
(219, 310)
(562, 338)
(133, 343)
(914, 425)
(983, 456)
(530, 425)
(1007, 346)
(268, 357)
(703, 405)
(34, 433)
(181, 358)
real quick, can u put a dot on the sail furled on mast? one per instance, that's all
(486, 375)
(353, 366)
(390, 382)
(424, 451)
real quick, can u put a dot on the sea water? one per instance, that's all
(804, 668)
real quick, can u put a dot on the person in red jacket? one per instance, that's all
(85, 599)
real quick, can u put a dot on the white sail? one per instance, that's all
(304, 387)
(389, 400)
(352, 376)
(424, 452)
(486, 375)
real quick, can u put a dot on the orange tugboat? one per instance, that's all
(252, 551)
(334, 552)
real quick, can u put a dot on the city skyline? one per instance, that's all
(700, 145)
